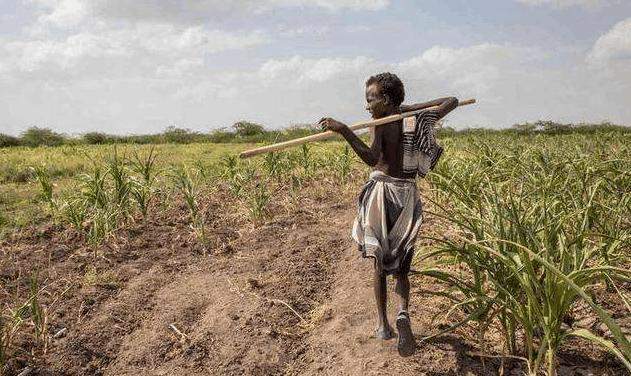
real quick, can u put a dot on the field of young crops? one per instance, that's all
(527, 231)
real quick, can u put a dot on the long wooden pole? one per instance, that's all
(329, 134)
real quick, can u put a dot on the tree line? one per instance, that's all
(249, 132)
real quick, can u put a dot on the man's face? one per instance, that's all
(376, 103)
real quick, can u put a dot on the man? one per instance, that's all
(389, 208)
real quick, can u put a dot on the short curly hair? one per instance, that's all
(389, 85)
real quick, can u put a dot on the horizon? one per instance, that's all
(123, 67)
(229, 129)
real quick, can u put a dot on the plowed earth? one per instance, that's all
(290, 295)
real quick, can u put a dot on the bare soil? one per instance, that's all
(290, 295)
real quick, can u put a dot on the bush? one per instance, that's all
(95, 138)
(552, 127)
(35, 136)
(6, 140)
(221, 135)
(248, 129)
(180, 135)
(142, 139)
(300, 130)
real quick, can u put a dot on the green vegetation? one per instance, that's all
(249, 132)
(530, 220)
(240, 132)
(35, 136)
(540, 220)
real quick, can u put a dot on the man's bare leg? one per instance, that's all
(384, 330)
(406, 344)
(402, 289)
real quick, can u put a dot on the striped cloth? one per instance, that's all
(420, 150)
(388, 219)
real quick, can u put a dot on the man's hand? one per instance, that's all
(329, 124)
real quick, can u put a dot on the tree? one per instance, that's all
(6, 140)
(246, 129)
(179, 135)
(35, 136)
(95, 138)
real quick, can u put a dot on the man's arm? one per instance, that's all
(445, 106)
(370, 155)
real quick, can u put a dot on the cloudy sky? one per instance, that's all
(137, 66)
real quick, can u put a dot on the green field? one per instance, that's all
(528, 225)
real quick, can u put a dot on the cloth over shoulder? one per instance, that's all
(420, 150)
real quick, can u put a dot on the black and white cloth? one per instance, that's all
(388, 219)
(420, 150)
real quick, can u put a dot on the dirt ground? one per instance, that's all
(287, 296)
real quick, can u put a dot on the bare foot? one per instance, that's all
(384, 332)
(406, 344)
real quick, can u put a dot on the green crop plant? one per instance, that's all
(343, 163)
(305, 160)
(204, 170)
(258, 200)
(145, 165)
(94, 188)
(230, 164)
(187, 188)
(528, 244)
(184, 184)
(75, 212)
(141, 192)
(102, 222)
(121, 179)
(38, 313)
(10, 325)
(241, 181)
(276, 165)
(46, 186)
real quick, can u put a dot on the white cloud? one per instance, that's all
(567, 3)
(137, 66)
(515, 84)
(333, 5)
(140, 46)
(69, 13)
(64, 12)
(511, 83)
(299, 70)
(613, 45)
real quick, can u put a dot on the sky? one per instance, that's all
(138, 66)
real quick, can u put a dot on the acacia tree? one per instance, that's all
(247, 129)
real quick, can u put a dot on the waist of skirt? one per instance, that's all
(380, 176)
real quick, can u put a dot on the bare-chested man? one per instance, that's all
(389, 208)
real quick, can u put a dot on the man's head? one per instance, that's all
(384, 95)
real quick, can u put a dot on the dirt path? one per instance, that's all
(291, 299)
(345, 344)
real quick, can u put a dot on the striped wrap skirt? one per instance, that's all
(389, 214)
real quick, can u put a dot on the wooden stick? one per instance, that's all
(329, 134)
